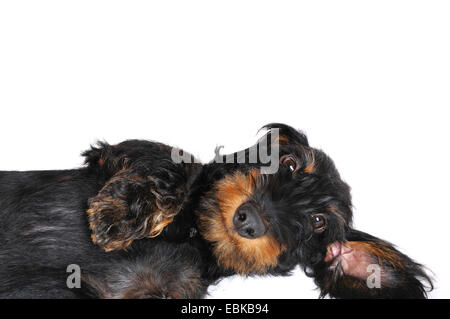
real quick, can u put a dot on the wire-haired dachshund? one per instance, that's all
(145, 220)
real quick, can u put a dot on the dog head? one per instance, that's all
(262, 222)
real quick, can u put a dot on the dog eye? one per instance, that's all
(319, 223)
(290, 162)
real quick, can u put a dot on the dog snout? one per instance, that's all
(248, 223)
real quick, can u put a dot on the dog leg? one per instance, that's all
(136, 203)
(161, 270)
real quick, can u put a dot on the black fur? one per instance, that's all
(140, 225)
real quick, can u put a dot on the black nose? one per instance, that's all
(247, 221)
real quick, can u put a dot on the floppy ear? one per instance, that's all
(134, 205)
(368, 267)
(287, 134)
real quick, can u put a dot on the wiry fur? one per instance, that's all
(143, 226)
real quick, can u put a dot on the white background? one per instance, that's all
(368, 81)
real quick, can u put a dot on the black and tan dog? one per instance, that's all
(140, 224)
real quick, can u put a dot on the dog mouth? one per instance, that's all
(335, 251)
(353, 259)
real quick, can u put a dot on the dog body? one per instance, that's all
(141, 225)
(44, 229)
